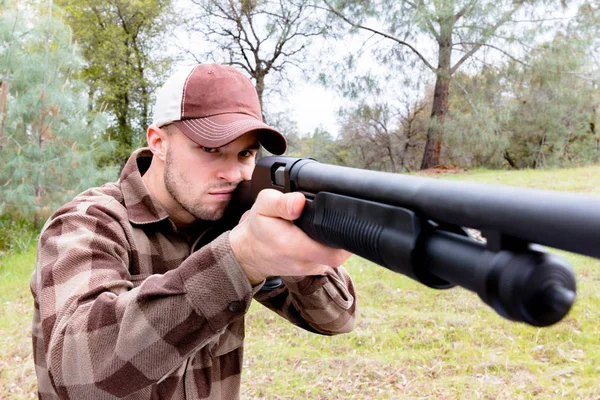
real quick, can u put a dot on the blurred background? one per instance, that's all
(503, 91)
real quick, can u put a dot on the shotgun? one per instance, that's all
(420, 227)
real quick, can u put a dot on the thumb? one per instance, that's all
(244, 216)
(272, 203)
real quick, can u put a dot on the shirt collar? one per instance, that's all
(142, 207)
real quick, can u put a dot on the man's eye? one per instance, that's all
(209, 149)
(246, 153)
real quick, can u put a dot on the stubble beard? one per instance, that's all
(177, 189)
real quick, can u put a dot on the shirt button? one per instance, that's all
(234, 306)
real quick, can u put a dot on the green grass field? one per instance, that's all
(17, 373)
(411, 341)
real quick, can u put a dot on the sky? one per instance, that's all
(313, 107)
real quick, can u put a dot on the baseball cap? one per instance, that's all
(213, 105)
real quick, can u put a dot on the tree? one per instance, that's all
(319, 145)
(476, 131)
(455, 31)
(262, 37)
(550, 126)
(381, 137)
(50, 141)
(531, 114)
(587, 28)
(123, 45)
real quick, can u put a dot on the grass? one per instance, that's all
(17, 373)
(411, 341)
(417, 343)
(16, 236)
(414, 342)
(583, 180)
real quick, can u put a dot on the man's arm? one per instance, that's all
(324, 304)
(98, 332)
(316, 294)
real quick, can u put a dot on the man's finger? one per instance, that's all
(308, 249)
(272, 203)
(293, 242)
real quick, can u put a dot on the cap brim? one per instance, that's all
(219, 130)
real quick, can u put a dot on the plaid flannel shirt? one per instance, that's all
(126, 305)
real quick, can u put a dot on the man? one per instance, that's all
(142, 285)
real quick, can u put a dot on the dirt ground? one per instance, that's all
(442, 169)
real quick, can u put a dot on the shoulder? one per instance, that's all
(92, 210)
(107, 197)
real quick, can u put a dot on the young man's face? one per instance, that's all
(201, 180)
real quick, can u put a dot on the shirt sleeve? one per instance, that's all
(324, 304)
(99, 331)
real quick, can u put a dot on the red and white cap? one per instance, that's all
(213, 105)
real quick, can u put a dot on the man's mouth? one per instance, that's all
(224, 194)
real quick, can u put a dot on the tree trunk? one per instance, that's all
(595, 135)
(433, 145)
(260, 88)
(508, 158)
(123, 127)
(4, 88)
(391, 157)
(141, 72)
(540, 158)
(38, 181)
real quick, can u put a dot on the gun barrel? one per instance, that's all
(533, 287)
(561, 220)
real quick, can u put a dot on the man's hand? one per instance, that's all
(267, 243)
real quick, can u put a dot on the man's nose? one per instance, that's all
(231, 171)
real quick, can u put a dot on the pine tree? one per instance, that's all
(49, 141)
(550, 126)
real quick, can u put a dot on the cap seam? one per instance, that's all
(204, 130)
(184, 90)
(224, 113)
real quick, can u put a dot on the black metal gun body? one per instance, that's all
(417, 227)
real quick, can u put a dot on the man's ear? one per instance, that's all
(157, 141)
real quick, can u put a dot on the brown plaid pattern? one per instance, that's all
(128, 306)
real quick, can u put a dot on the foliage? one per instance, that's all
(50, 143)
(551, 125)
(16, 235)
(372, 137)
(381, 137)
(534, 114)
(475, 126)
(123, 44)
(319, 145)
(457, 30)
